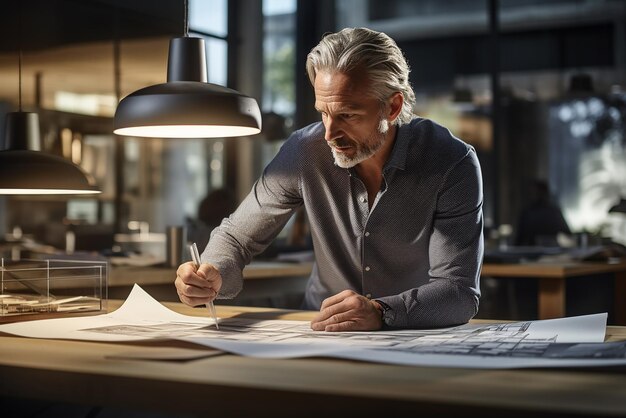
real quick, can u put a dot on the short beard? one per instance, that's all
(364, 150)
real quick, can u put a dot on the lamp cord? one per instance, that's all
(19, 60)
(19, 83)
(186, 19)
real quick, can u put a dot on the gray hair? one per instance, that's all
(361, 48)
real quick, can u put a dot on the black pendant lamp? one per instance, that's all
(25, 170)
(187, 106)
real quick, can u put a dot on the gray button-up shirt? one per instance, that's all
(418, 250)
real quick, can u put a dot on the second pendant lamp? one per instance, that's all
(24, 168)
(187, 106)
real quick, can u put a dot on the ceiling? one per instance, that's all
(70, 44)
(42, 24)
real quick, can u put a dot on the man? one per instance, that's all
(394, 207)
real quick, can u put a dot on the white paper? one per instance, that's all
(563, 342)
(139, 310)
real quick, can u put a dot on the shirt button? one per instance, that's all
(367, 268)
(363, 199)
(367, 234)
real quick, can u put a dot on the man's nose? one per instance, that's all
(332, 130)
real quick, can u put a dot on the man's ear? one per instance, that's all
(394, 108)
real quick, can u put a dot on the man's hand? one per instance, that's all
(348, 311)
(197, 286)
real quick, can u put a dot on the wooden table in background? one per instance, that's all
(273, 279)
(263, 280)
(553, 277)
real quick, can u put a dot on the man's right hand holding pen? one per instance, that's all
(197, 286)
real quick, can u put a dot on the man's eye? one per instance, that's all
(348, 115)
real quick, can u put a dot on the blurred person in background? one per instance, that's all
(542, 220)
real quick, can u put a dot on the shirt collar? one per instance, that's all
(399, 152)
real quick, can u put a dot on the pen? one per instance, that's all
(195, 256)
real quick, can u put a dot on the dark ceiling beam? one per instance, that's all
(52, 23)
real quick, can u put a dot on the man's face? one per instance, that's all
(353, 118)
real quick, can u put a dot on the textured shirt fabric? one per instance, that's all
(418, 250)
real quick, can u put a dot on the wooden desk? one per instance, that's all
(553, 280)
(233, 386)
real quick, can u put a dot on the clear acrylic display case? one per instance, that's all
(51, 287)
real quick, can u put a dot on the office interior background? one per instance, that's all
(538, 87)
